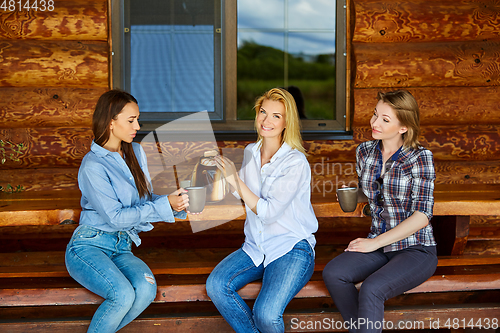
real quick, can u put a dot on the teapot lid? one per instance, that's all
(210, 153)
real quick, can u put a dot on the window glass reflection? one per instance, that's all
(261, 14)
(306, 14)
(283, 43)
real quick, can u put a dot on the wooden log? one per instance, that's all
(488, 247)
(49, 147)
(325, 175)
(447, 172)
(69, 19)
(439, 106)
(469, 64)
(420, 20)
(484, 233)
(51, 107)
(467, 172)
(485, 220)
(41, 179)
(35, 63)
(454, 143)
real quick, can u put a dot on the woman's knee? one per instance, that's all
(215, 285)
(145, 290)
(333, 273)
(267, 320)
(372, 291)
(122, 295)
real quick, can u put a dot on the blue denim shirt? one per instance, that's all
(110, 200)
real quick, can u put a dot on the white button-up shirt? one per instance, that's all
(284, 212)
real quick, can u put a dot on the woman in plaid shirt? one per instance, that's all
(397, 175)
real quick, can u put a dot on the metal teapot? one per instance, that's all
(206, 174)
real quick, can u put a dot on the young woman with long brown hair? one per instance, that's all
(117, 203)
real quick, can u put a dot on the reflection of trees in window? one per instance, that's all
(262, 67)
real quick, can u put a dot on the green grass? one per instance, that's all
(319, 96)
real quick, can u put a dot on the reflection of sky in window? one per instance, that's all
(311, 14)
(272, 39)
(310, 24)
(302, 14)
(311, 43)
(261, 14)
(168, 63)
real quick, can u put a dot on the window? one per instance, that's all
(182, 56)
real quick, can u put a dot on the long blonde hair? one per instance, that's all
(407, 112)
(291, 133)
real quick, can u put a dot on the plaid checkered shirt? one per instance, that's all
(407, 186)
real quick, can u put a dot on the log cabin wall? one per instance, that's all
(54, 65)
(53, 68)
(447, 54)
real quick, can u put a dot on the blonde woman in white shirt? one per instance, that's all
(274, 182)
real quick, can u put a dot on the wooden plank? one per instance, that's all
(48, 107)
(403, 318)
(425, 317)
(485, 233)
(485, 220)
(32, 208)
(33, 63)
(488, 247)
(162, 261)
(68, 19)
(469, 64)
(454, 143)
(439, 105)
(48, 313)
(189, 289)
(49, 147)
(420, 20)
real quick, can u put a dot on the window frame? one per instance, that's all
(228, 126)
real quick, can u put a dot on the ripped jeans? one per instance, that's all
(103, 263)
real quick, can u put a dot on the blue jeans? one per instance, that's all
(384, 275)
(282, 279)
(103, 263)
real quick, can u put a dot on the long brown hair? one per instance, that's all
(291, 133)
(108, 107)
(407, 112)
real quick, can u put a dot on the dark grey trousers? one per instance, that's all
(384, 275)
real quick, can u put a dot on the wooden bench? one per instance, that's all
(36, 228)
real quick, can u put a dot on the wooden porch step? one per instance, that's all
(419, 317)
(188, 288)
(181, 261)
